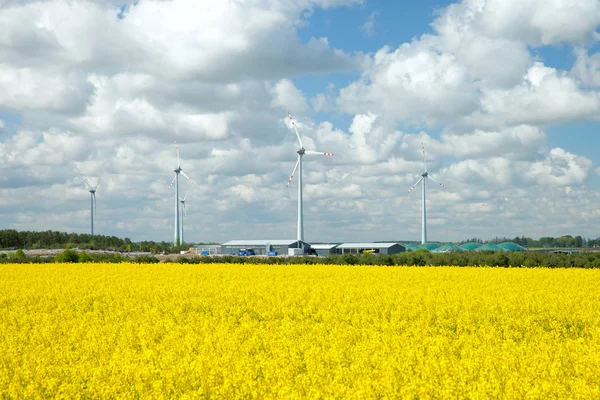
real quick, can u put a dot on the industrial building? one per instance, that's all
(448, 248)
(376, 248)
(325, 249)
(410, 247)
(207, 250)
(264, 247)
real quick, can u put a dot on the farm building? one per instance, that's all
(262, 247)
(429, 246)
(325, 249)
(510, 246)
(377, 248)
(448, 248)
(411, 247)
(470, 246)
(207, 250)
(490, 247)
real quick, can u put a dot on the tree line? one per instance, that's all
(419, 258)
(13, 239)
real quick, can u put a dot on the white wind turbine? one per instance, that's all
(424, 177)
(177, 240)
(183, 213)
(301, 152)
(92, 200)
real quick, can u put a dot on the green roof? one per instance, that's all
(429, 246)
(489, 247)
(411, 246)
(447, 248)
(470, 246)
(510, 246)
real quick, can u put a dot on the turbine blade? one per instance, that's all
(88, 183)
(173, 181)
(293, 172)
(296, 130)
(436, 181)
(423, 150)
(415, 185)
(177, 150)
(318, 153)
(184, 174)
(184, 210)
(185, 197)
(97, 184)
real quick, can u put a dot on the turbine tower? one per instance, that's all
(424, 177)
(183, 213)
(177, 241)
(301, 152)
(92, 201)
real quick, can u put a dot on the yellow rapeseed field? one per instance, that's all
(284, 332)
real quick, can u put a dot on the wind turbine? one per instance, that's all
(92, 201)
(424, 177)
(183, 213)
(177, 241)
(301, 152)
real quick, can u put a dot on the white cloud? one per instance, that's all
(587, 68)
(530, 21)
(91, 95)
(415, 82)
(368, 28)
(545, 95)
(287, 97)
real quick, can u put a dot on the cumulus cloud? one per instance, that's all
(544, 96)
(414, 82)
(368, 28)
(98, 90)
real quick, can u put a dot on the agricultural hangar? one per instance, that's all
(325, 249)
(375, 248)
(264, 247)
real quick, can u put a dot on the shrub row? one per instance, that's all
(523, 259)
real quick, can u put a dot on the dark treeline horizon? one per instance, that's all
(31, 240)
(13, 239)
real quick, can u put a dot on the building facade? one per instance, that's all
(373, 248)
(264, 247)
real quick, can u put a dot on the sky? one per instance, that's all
(503, 94)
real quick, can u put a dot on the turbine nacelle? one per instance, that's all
(301, 152)
(178, 234)
(423, 178)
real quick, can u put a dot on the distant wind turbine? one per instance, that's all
(183, 213)
(92, 200)
(424, 177)
(177, 240)
(301, 152)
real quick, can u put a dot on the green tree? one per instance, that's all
(67, 256)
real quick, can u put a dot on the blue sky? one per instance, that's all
(399, 22)
(505, 132)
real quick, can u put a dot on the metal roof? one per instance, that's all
(367, 245)
(278, 242)
(510, 246)
(490, 247)
(448, 248)
(411, 246)
(470, 246)
(429, 246)
(321, 246)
